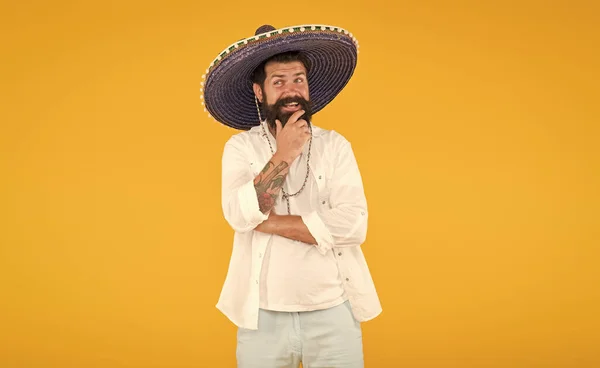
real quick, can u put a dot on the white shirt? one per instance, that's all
(296, 277)
(338, 224)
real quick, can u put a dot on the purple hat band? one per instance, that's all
(227, 91)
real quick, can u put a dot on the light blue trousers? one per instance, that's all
(329, 338)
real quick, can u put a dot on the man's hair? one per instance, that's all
(258, 75)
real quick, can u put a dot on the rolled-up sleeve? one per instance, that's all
(344, 222)
(238, 194)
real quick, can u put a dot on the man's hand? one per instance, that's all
(268, 225)
(292, 138)
(287, 226)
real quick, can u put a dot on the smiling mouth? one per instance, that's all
(292, 106)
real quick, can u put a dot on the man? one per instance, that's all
(298, 286)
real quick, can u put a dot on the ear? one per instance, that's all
(258, 92)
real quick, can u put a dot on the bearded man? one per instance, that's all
(298, 286)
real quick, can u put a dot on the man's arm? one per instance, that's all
(342, 222)
(269, 181)
(246, 199)
(287, 226)
(290, 141)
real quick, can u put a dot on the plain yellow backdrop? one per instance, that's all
(475, 125)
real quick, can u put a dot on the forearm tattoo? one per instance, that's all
(268, 183)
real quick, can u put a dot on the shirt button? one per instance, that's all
(256, 282)
(319, 176)
(362, 213)
(323, 202)
(340, 253)
(347, 279)
(259, 255)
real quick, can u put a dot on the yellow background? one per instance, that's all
(475, 125)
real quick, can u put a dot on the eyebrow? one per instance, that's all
(283, 76)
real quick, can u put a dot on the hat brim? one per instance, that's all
(228, 95)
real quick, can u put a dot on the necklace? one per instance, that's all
(285, 195)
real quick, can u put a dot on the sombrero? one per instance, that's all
(226, 89)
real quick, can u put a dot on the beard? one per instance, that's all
(275, 112)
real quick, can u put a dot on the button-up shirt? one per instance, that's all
(339, 225)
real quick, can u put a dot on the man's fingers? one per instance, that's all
(295, 116)
(306, 133)
(302, 124)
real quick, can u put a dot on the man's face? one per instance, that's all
(285, 91)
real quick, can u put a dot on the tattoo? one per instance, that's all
(268, 183)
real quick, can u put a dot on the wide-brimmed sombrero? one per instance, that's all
(226, 89)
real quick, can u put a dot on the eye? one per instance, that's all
(278, 82)
(299, 80)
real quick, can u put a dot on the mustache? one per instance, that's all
(286, 100)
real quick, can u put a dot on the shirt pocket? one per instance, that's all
(257, 161)
(256, 165)
(324, 190)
